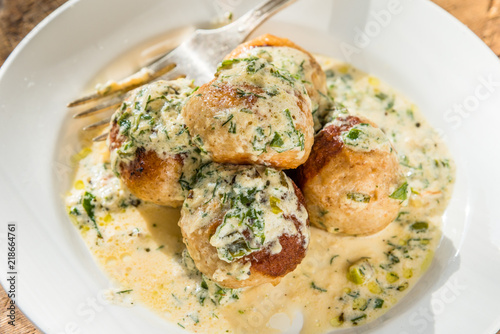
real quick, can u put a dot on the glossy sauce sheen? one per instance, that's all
(141, 246)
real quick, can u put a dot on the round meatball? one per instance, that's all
(244, 225)
(285, 54)
(150, 146)
(252, 113)
(353, 183)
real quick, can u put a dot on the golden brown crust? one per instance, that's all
(222, 97)
(334, 171)
(265, 267)
(150, 177)
(318, 77)
(114, 139)
(327, 143)
(271, 40)
(264, 40)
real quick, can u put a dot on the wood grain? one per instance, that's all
(18, 17)
(481, 16)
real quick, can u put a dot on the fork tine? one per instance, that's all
(84, 99)
(191, 57)
(145, 75)
(113, 103)
(101, 137)
(97, 124)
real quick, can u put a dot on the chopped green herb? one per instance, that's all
(273, 91)
(253, 68)
(359, 197)
(299, 135)
(228, 119)
(285, 75)
(242, 93)
(390, 104)
(419, 226)
(356, 320)
(89, 207)
(232, 128)
(353, 134)
(194, 317)
(378, 303)
(400, 215)
(314, 286)
(182, 130)
(124, 291)
(74, 211)
(258, 143)
(400, 193)
(402, 287)
(277, 141)
(333, 258)
(184, 184)
(194, 90)
(199, 143)
(329, 73)
(227, 63)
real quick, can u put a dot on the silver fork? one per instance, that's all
(195, 58)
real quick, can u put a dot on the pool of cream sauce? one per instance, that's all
(141, 248)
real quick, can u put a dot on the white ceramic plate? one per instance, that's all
(418, 48)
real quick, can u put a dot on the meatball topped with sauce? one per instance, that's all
(252, 112)
(353, 183)
(244, 225)
(151, 149)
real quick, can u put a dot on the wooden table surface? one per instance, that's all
(18, 17)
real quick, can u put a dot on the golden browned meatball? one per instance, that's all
(352, 182)
(244, 225)
(151, 149)
(252, 113)
(287, 55)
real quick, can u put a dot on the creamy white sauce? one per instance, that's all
(151, 119)
(365, 138)
(298, 64)
(141, 246)
(270, 123)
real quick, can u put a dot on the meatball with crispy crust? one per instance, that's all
(252, 113)
(244, 225)
(150, 146)
(353, 183)
(287, 55)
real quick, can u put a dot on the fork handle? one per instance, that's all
(255, 17)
